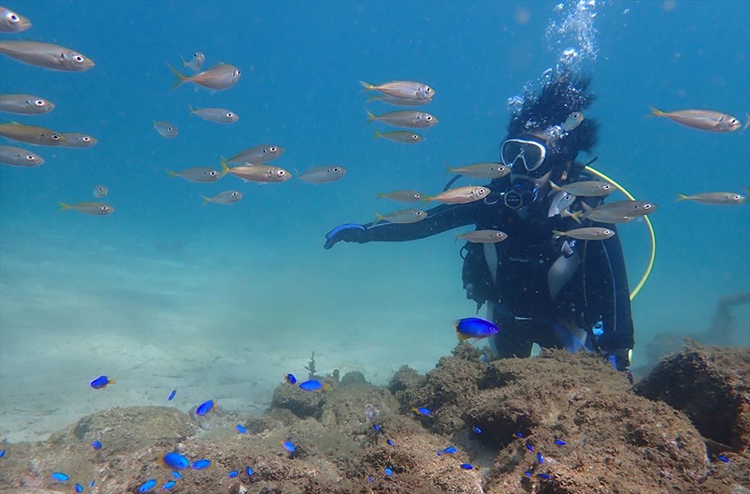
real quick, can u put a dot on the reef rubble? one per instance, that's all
(560, 423)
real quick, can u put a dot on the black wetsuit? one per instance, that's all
(591, 291)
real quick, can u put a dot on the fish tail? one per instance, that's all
(172, 173)
(426, 199)
(378, 218)
(192, 110)
(554, 186)
(367, 85)
(457, 237)
(224, 166)
(557, 233)
(681, 197)
(379, 195)
(462, 337)
(378, 135)
(747, 122)
(206, 200)
(449, 170)
(64, 207)
(577, 216)
(179, 79)
(370, 116)
(655, 112)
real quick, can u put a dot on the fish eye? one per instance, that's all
(78, 58)
(230, 115)
(55, 137)
(417, 196)
(29, 157)
(647, 206)
(212, 172)
(733, 121)
(427, 89)
(428, 117)
(85, 138)
(280, 173)
(236, 73)
(103, 208)
(39, 102)
(335, 169)
(13, 18)
(414, 136)
(272, 149)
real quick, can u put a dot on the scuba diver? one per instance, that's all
(539, 287)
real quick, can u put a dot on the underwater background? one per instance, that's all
(220, 302)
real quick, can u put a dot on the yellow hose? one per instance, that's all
(650, 227)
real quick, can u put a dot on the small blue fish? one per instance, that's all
(723, 458)
(289, 446)
(527, 473)
(249, 471)
(171, 395)
(540, 458)
(147, 485)
(422, 411)
(169, 485)
(79, 488)
(474, 327)
(544, 476)
(450, 450)
(389, 442)
(376, 427)
(241, 429)
(560, 442)
(290, 379)
(530, 447)
(313, 385)
(371, 479)
(388, 471)
(518, 434)
(204, 408)
(101, 382)
(233, 474)
(91, 484)
(201, 464)
(2, 453)
(175, 461)
(467, 466)
(177, 475)
(60, 477)
(96, 445)
(477, 430)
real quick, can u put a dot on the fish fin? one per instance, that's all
(681, 197)
(179, 78)
(378, 135)
(184, 63)
(558, 233)
(426, 199)
(449, 170)
(370, 116)
(554, 186)
(577, 216)
(655, 112)
(64, 207)
(367, 85)
(462, 337)
(111, 381)
(172, 173)
(206, 200)
(379, 195)
(224, 166)
(192, 110)
(378, 218)
(457, 237)
(747, 122)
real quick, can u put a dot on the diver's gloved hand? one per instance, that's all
(349, 232)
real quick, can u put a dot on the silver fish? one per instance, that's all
(400, 136)
(223, 76)
(100, 191)
(78, 140)
(574, 120)
(258, 154)
(31, 134)
(215, 115)
(226, 197)
(91, 208)
(323, 174)
(398, 101)
(589, 188)
(403, 89)
(460, 195)
(401, 196)
(25, 104)
(590, 233)
(404, 216)
(560, 203)
(715, 198)
(166, 129)
(486, 171)
(14, 156)
(616, 212)
(46, 55)
(483, 236)
(407, 118)
(11, 22)
(195, 62)
(202, 174)
(708, 120)
(257, 173)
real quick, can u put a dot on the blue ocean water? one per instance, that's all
(219, 301)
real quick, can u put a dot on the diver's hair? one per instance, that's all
(555, 101)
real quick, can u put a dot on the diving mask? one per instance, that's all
(524, 157)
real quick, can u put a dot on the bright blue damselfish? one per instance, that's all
(249, 471)
(60, 477)
(312, 385)
(290, 379)
(388, 471)
(201, 464)
(171, 395)
(79, 488)
(175, 461)
(233, 474)
(241, 429)
(204, 408)
(289, 446)
(147, 485)
(169, 485)
(474, 327)
(101, 382)
(96, 445)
